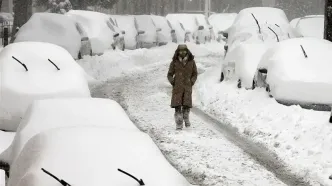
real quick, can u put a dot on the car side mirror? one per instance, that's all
(158, 29)
(116, 35)
(210, 27)
(140, 32)
(123, 32)
(225, 47)
(201, 28)
(84, 39)
(172, 31)
(225, 34)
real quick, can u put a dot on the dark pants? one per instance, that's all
(182, 114)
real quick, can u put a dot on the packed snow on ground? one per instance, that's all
(94, 23)
(296, 79)
(52, 28)
(301, 138)
(92, 157)
(127, 23)
(6, 139)
(311, 26)
(118, 63)
(48, 114)
(19, 87)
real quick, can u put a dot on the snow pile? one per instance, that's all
(117, 63)
(6, 138)
(19, 87)
(165, 34)
(133, 152)
(301, 138)
(297, 79)
(311, 26)
(49, 114)
(51, 28)
(145, 23)
(222, 22)
(127, 23)
(95, 24)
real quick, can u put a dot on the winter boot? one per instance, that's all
(186, 112)
(178, 118)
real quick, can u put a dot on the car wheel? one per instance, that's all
(222, 77)
(79, 55)
(239, 84)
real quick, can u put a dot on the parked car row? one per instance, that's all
(91, 33)
(264, 50)
(63, 136)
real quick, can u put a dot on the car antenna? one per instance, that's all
(54, 64)
(62, 182)
(259, 27)
(126, 173)
(26, 69)
(304, 53)
(274, 33)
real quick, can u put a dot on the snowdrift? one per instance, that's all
(95, 24)
(48, 114)
(295, 78)
(70, 154)
(51, 28)
(19, 87)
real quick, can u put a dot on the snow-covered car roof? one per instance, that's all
(300, 66)
(189, 21)
(87, 156)
(48, 114)
(222, 22)
(52, 28)
(37, 70)
(311, 26)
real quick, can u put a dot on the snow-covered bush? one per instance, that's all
(48, 114)
(92, 156)
(32, 71)
(51, 28)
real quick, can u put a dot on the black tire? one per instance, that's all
(239, 84)
(330, 119)
(79, 55)
(222, 77)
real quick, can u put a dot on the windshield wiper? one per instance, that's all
(259, 27)
(139, 181)
(54, 64)
(304, 53)
(25, 67)
(62, 182)
(274, 33)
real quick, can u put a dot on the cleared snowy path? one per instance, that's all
(202, 154)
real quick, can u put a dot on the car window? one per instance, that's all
(110, 26)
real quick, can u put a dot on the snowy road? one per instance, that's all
(202, 154)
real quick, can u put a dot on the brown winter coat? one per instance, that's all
(182, 77)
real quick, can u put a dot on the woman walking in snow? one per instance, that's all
(182, 74)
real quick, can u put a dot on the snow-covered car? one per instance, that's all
(260, 26)
(310, 26)
(87, 156)
(145, 25)
(221, 22)
(98, 28)
(208, 28)
(57, 29)
(47, 114)
(36, 70)
(297, 71)
(167, 33)
(127, 23)
(190, 23)
(182, 35)
(121, 44)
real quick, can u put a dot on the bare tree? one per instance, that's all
(22, 13)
